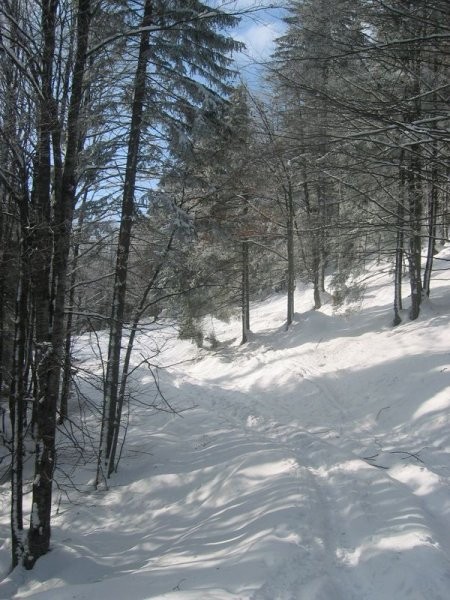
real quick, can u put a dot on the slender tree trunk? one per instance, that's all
(245, 292)
(109, 419)
(432, 225)
(445, 210)
(398, 272)
(432, 203)
(415, 238)
(67, 368)
(322, 237)
(323, 268)
(5, 266)
(290, 256)
(18, 394)
(317, 274)
(399, 248)
(415, 191)
(143, 306)
(8, 257)
(315, 247)
(245, 279)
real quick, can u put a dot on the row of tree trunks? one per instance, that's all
(44, 407)
(52, 240)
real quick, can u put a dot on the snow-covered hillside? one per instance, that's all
(312, 464)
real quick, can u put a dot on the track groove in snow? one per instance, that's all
(312, 464)
(344, 489)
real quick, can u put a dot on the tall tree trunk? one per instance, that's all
(290, 256)
(7, 251)
(52, 337)
(432, 225)
(432, 201)
(315, 246)
(245, 292)
(398, 270)
(18, 392)
(415, 191)
(415, 231)
(446, 209)
(67, 367)
(43, 414)
(317, 277)
(8, 224)
(143, 306)
(399, 247)
(109, 419)
(245, 279)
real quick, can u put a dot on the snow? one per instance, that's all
(309, 464)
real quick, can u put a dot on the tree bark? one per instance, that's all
(110, 416)
(415, 238)
(290, 256)
(432, 224)
(43, 415)
(67, 368)
(245, 292)
(50, 336)
(399, 246)
(18, 392)
(143, 306)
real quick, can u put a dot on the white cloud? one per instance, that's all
(259, 39)
(261, 24)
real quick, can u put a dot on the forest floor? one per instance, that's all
(309, 464)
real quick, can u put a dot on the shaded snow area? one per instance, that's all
(309, 464)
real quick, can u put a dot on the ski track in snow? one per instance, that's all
(306, 469)
(307, 562)
(341, 488)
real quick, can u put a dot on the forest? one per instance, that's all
(142, 181)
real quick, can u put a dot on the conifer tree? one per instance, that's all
(183, 60)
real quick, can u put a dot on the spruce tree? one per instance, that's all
(182, 61)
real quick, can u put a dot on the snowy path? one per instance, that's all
(312, 464)
(338, 543)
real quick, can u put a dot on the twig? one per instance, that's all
(411, 454)
(380, 411)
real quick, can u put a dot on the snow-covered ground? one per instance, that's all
(312, 464)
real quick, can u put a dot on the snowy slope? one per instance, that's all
(312, 464)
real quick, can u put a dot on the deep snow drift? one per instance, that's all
(312, 464)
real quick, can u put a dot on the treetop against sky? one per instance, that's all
(261, 24)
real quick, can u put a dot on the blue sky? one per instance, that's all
(258, 29)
